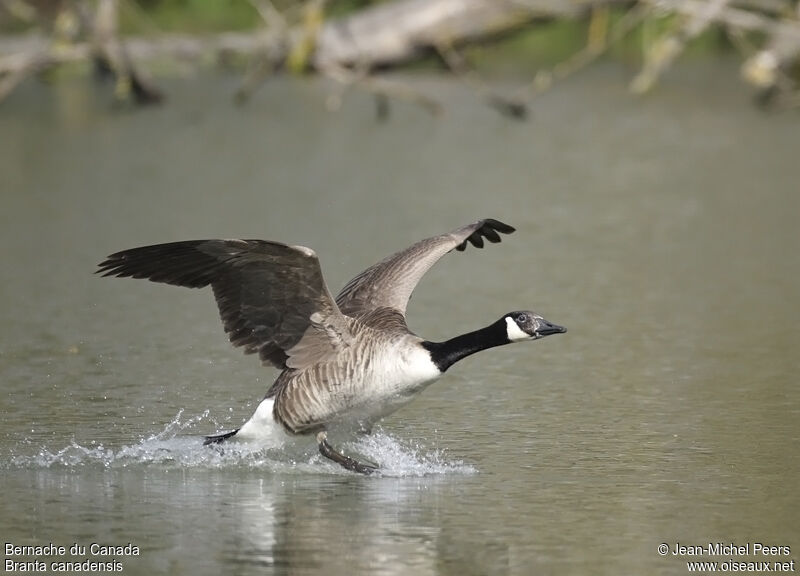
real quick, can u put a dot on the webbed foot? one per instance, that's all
(332, 454)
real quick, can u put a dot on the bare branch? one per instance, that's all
(669, 47)
(270, 15)
(16, 68)
(544, 80)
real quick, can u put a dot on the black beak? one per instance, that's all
(547, 328)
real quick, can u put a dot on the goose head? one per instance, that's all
(526, 325)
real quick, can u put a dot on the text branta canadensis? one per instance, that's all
(351, 360)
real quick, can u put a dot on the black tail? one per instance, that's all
(217, 438)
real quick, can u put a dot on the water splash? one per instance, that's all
(178, 446)
(400, 458)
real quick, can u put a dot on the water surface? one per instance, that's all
(662, 232)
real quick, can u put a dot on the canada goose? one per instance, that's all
(351, 360)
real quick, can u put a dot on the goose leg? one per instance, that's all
(332, 454)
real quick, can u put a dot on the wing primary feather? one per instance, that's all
(491, 235)
(476, 240)
(501, 227)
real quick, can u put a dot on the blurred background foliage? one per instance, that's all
(550, 39)
(546, 43)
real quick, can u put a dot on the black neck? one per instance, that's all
(445, 354)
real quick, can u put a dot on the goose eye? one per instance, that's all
(521, 318)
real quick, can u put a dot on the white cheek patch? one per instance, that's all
(514, 332)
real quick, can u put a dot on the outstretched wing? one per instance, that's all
(269, 294)
(390, 282)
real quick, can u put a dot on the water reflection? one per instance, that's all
(290, 524)
(347, 525)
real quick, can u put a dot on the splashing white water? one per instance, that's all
(174, 447)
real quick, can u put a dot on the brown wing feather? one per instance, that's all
(390, 282)
(266, 291)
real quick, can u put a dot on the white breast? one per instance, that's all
(395, 376)
(405, 368)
